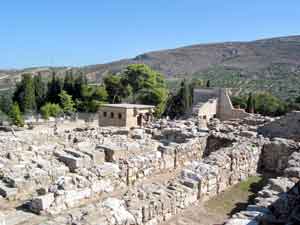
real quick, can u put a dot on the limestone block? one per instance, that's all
(8, 192)
(42, 203)
(102, 186)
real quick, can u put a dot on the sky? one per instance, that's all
(77, 32)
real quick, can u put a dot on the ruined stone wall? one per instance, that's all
(276, 153)
(287, 126)
(154, 203)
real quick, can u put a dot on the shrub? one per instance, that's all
(50, 109)
(16, 116)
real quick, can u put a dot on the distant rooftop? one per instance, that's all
(128, 106)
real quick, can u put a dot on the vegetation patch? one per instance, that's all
(236, 198)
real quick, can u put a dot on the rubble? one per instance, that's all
(103, 175)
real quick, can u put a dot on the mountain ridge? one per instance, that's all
(274, 59)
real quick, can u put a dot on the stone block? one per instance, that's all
(8, 192)
(42, 203)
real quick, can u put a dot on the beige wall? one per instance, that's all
(108, 120)
(226, 111)
(216, 102)
(129, 116)
(208, 110)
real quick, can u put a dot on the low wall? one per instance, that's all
(276, 153)
(111, 176)
(287, 126)
(154, 203)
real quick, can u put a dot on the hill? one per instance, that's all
(269, 64)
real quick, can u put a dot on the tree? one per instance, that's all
(100, 94)
(16, 116)
(40, 90)
(116, 89)
(154, 96)
(66, 102)
(69, 83)
(55, 86)
(141, 76)
(208, 83)
(250, 104)
(269, 105)
(197, 83)
(50, 109)
(6, 101)
(25, 94)
(239, 102)
(185, 93)
(78, 83)
(148, 86)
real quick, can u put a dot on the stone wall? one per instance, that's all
(72, 190)
(276, 153)
(154, 203)
(226, 111)
(106, 118)
(287, 126)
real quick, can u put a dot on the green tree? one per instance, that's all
(208, 83)
(66, 102)
(141, 76)
(116, 89)
(24, 94)
(197, 83)
(154, 96)
(16, 116)
(100, 94)
(40, 90)
(239, 102)
(250, 104)
(269, 105)
(6, 101)
(55, 86)
(50, 109)
(92, 97)
(69, 83)
(80, 80)
(186, 97)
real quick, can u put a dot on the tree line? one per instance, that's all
(137, 83)
(265, 104)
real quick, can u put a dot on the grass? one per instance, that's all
(236, 198)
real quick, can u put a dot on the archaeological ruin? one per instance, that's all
(80, 173)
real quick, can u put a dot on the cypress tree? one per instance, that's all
(69, 83)
(55, 86)
(40, 90)
(250, 104)
(29, 102)
(186, 96)
(208, 83)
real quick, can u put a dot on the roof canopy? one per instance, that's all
(128, 106)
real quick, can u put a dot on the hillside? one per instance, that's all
(269, 64)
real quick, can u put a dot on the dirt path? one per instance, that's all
(196, 215)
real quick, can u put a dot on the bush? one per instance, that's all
(16, 116)
(50, 109)
(269, 105)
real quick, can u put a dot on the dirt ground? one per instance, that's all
(218, 209)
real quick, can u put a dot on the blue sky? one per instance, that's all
(77, 32)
